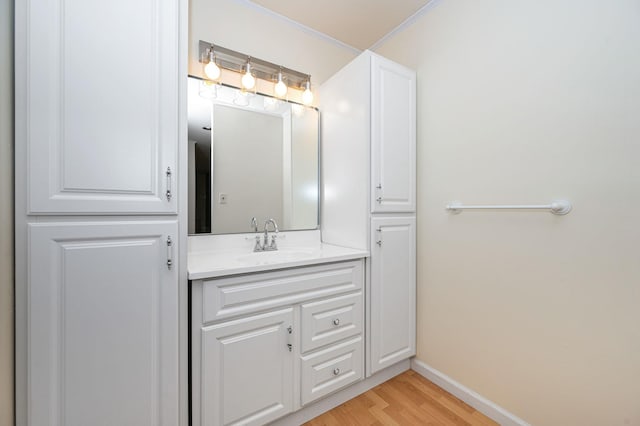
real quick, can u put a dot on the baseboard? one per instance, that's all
(314, 410)
(486, 407)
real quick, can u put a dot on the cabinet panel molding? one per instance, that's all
(393, 137)
(331, 369)
(247, 370)
(226, 297)
(101, 116)
(330, 320)
(393, 291)
(102, 324)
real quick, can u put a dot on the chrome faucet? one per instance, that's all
(266, 245)
(273, 245)
(254, 225)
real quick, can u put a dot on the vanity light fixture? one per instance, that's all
(280, 88)
(248, 80)
(211, 69)
(307, 95)
(249, 70)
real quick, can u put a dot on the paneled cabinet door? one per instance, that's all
(101, 107)
(393, 291)
(393, 137)
(247, 370)
(102, 324)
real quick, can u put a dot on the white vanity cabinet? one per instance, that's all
(102, 323)
(369, 185)
(393, 137)
(268, 343)
(393, 290)
(101, 315)
(100, 108)
(246, 371)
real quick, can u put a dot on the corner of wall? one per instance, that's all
(6, 216)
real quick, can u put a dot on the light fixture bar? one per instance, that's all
(235, 61)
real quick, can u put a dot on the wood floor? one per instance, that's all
(407, 399)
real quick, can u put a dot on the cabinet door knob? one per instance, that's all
(379, 199)
(379, 243)
(336, 321)
(336, 371)
(379, 186)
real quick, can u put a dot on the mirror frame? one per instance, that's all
(319, 157)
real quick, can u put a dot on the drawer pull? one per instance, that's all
(336, 371)
(336, 321)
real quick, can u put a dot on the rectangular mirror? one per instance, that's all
(250, 155)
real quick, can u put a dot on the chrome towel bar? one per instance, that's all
(557, 207)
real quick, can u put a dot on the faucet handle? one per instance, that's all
(258, 246)
(254, 224)
(273, 245)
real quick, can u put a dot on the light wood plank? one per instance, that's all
(407, 399)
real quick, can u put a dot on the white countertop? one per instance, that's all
(220, 255)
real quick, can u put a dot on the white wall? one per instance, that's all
(525, 102)
(236, 25)
(6, 213)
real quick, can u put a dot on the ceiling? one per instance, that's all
(358, 23)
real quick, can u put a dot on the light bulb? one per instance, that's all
(248, 81)
(212, 70)
(307, 95)
(280, 88)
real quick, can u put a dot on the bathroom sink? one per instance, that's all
(277, 256)
(231, 255)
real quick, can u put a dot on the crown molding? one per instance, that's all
(298, 25)
(406, 23)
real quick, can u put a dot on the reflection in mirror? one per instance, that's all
(250, 156)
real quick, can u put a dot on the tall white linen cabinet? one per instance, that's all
(369, 193)
(101, 291)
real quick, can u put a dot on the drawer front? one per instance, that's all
(328, 321)
(331, 369)
(239, 295)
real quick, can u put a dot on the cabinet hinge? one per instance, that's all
(168, 183)
(289, 344)
(169, 252)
